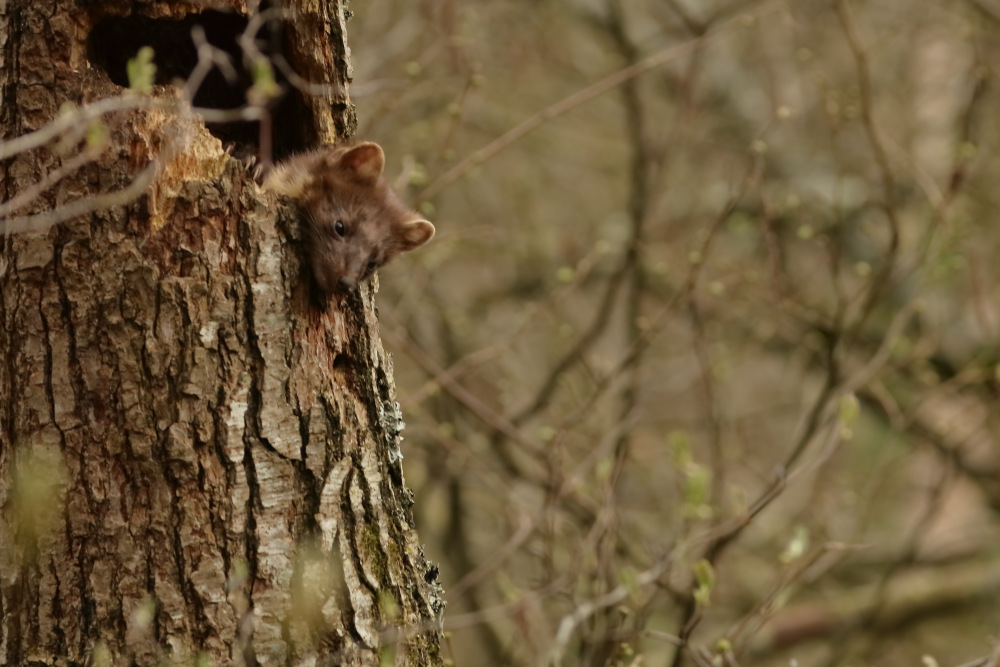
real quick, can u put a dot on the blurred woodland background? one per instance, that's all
(706, 349)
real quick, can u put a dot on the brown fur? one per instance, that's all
(343, 184)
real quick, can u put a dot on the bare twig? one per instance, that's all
(583, 611)
(582, 97)
(73, 118)
(880, 281)
(42, 221)
(28, 194)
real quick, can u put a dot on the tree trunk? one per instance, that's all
(198, 459)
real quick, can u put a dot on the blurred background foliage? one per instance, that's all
(705, 351)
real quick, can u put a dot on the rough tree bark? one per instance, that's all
(196, 459)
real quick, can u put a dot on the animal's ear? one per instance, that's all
(414, 234)
(366, 161)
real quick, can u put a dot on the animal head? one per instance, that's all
(355, 222)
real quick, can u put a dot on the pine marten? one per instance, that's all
(354, 223)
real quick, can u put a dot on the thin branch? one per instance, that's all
(483, 569)
(247, 42)
(575, 353)
(582, 97)
(72, 119)
(584, 610)
(486, 414)
(42, 221)
(25, 197)
(660, 320)
(880, 281)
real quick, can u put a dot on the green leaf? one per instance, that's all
(796, 546)
(697, 487)
(142, 71)
(704, 576)
(681, 447)
(97, 136)
(265, 87)
(850, 408)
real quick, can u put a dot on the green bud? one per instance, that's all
(141, 71)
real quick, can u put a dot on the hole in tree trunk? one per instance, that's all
(116, 39)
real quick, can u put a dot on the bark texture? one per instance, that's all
(195, 458)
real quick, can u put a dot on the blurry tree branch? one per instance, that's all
(880, 280)
(667, 317)
(71, 121)
(42, 221)
(476, 406)
(989, 7)
(584, 610)
(915, 596)
(582, 97)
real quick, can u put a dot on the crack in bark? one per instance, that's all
(198, 625)
(349, 529)
(252, 539)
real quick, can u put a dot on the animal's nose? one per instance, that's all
(346, 284)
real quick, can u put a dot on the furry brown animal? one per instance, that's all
(354, 222)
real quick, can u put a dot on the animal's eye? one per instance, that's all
(338, 226)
